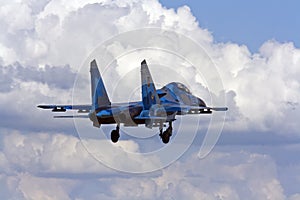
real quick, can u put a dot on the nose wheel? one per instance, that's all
(165, 135)
(115, 134)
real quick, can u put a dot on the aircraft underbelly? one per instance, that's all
(126, 117)
(126, 122)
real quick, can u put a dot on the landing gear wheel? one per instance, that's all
(114, 136)
(165, 137)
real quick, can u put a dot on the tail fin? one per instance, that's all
(99, 94)
(149, 94)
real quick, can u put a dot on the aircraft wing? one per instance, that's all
(107, 111)
(187, 109)
(208, 108)
(71, 116)
(64, 108)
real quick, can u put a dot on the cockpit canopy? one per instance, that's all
(178, 85)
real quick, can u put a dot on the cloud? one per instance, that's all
(35, 159)
(263, 83)
(227, 175)
(22, 88)
(44, 153)
(61, 77)
(59, 26)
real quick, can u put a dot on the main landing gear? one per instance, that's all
(165, 136)
(115, 134)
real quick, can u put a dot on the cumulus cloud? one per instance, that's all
(43, 153)
(264, 84)
(65, 26)
(44, 43)
(50, 166)
(24, 87)
(59, 77)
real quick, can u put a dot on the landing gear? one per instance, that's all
(165, 136)
(115, 134)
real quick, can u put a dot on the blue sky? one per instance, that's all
(246, 22)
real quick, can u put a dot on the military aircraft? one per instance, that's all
(156, 108)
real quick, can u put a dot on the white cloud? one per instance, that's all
(57, 167)
(264, 83)
(44, 153)
(40, 188)
(17, 16)
(7, 55)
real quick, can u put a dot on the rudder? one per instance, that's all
(149, 94)
(98, 91)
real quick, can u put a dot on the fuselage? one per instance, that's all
(172, 93)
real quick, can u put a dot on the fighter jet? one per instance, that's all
(157, 107)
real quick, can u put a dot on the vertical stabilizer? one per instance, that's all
(98, 91)
(149, 94)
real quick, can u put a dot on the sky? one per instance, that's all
(246, 22)
(248, 62)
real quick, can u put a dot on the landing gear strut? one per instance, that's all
(165, 136)
(115, 134)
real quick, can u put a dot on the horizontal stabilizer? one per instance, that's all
(71, 116)
(63, 108)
